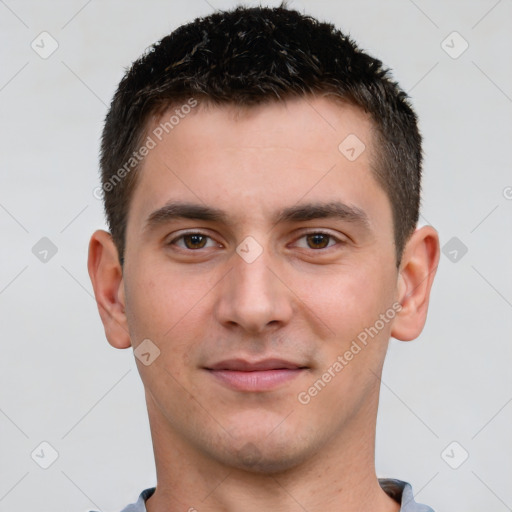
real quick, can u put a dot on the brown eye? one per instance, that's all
(195, 241)
(318, 240)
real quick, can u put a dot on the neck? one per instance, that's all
(339, 478)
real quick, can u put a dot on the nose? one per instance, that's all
(253, 296)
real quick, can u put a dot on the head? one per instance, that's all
(261, 180)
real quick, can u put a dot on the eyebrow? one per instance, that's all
(297, 213)
(334, 209)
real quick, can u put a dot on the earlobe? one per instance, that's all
(107, 280)
(416, 275)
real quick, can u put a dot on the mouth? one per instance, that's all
(265, 375)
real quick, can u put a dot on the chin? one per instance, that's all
(250, 459)
(263, 456)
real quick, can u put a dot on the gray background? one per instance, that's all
(60, 380)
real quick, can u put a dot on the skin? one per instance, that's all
(217, 448)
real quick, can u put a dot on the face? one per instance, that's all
(260, 261)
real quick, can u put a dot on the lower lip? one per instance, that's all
(263, 380)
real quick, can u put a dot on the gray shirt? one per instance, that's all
(400, 491)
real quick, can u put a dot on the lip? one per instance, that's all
(262, 375)
(242, 365)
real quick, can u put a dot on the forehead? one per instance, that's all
(253, 160)
(309, 122)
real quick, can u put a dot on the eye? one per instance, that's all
(317, 240)
(193, 241)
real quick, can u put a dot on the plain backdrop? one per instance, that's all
(446, 402)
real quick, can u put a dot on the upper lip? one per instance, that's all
(245, 366)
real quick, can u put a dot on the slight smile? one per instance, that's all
(264, 375)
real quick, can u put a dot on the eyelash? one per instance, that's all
(337, 240)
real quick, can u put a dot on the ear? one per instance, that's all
(416, 275)
(107, 281)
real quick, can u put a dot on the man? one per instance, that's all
(261, 179)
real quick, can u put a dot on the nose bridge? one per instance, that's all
(253, 278)
(252, 296)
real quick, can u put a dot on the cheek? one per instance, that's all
(173, 310)
(348, 301)
(352, 354)
(160, 302)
